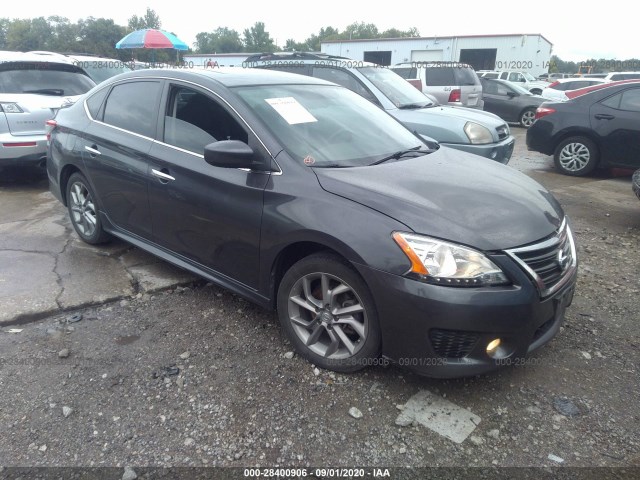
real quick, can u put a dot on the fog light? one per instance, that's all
(493, 346)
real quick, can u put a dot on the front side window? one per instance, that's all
(343, 78)
(400, 92)
(133, 107)
(194, 120)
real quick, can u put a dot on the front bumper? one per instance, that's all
(24, 150)
(500, 151)
(441, 331)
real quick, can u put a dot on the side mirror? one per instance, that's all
(229, 154)
(512, 94)
(429, 142)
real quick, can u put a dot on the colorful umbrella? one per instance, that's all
(151, 38)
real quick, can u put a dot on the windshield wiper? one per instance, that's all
(408, 106)
(47, 91)
(399, 154)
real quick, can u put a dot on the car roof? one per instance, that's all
(229, 76)
(582, 91)
(578, 79)
(44, 57)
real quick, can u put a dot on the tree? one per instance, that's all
(221, 40)
(149, 20)
(256, 39)
(4, 25)
(360, 30)
(99, 37)
(395, 33)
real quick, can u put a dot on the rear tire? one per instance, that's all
(83, 210)
(328, 313)
(576, 156)
(527, 117)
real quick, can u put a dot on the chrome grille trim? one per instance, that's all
(546, 269)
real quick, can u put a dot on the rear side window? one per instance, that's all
(43, 78)
(625, 76)
(439, 76)
(406, 72)
(133, 107)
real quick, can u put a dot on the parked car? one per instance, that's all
(32, 89)
(302, 196)
(615, 76)
(598, 129)
(98, 68)
(510, 102)
(635, 183)
(452, 84)
(524, 79)
(557, 91)
(473, 131)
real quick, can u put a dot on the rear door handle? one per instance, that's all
(93, 150)
(604, 116)
(163, 175)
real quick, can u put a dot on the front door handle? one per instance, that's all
(604, 116)
(163, 175)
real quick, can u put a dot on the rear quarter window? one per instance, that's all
(466, 76)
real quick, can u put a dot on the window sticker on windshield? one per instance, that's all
(309, 160)
(291, 110)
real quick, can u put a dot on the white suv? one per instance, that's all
(32, 89)
(524, 79)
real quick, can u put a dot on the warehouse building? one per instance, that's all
(530, 52)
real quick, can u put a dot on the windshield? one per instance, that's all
(43, 78)
(528, 77)
(326, 125)
(395, 88)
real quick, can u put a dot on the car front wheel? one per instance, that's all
(328, 313)
(83, 211)
(527, 118)
(576, 156)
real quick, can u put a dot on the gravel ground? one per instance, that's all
(199, 377)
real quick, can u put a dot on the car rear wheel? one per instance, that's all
(83, 210)
(576, 156)
(328, 313)
(527, 118)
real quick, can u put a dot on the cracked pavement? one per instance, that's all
(47, 269)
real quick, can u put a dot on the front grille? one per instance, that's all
(548, 262)
(452, 343)
(503, 131)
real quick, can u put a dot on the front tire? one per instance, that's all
(83, 210)
(576, 156)
(527, 118)
(328, 313)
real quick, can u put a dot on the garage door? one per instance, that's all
(426, 55)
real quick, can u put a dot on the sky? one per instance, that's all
(576, 32)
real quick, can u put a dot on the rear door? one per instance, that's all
(497, 100)
(115, 150)
(616, 120)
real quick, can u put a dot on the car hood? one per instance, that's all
(446, 124)
(454, 196)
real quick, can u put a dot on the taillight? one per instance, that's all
(552, 85)
(544, 111)
(455, 95)
(50, 125)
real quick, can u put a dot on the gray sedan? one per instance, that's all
(510, 102)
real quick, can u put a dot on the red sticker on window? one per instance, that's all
(309, 160)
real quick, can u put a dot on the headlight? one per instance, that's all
(446, 263)
(477, 133)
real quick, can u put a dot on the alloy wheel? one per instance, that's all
(574, 157)
(83, 210)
